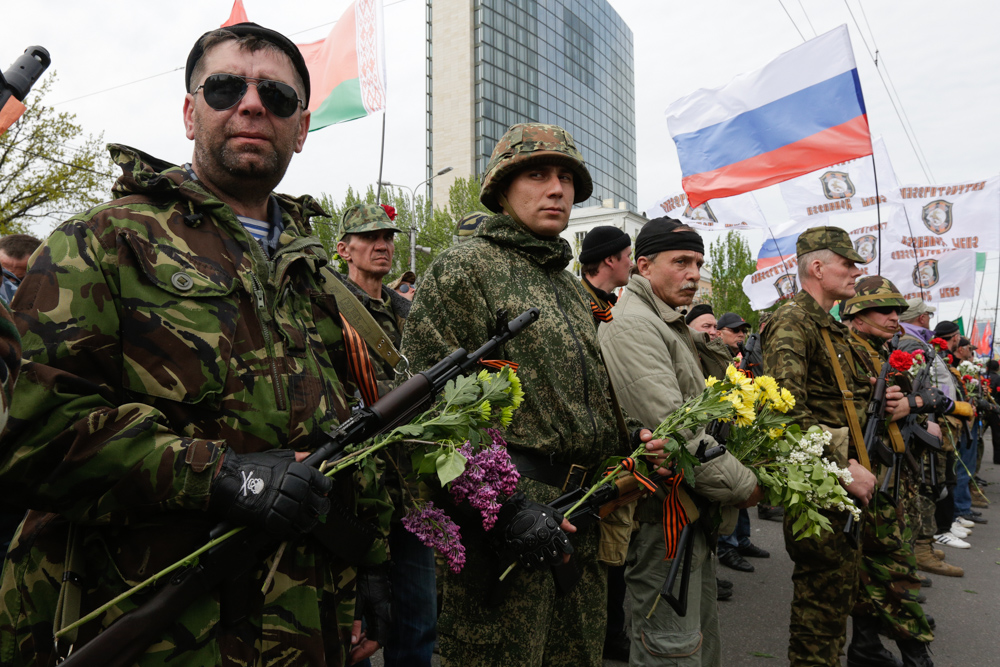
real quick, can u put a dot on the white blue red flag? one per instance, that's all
(801, 112)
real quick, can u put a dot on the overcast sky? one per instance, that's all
(942, 58)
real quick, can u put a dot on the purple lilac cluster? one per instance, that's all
(489, 474)
(436, 530)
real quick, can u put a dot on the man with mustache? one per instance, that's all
(186, 352)
(655, 368)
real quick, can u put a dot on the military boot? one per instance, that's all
(915, 654)
(866, 648)
(978, 497)
(928, 563)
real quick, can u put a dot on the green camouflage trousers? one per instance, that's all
(825, 585)
(889, 581)
(521, 622)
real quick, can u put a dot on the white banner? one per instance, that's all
(964, 216)
(739, 212)
(768, 285)
(847, 187)
(944, 276)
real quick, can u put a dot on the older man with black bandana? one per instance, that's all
(654, 366)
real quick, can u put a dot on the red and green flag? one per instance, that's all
(347, 69)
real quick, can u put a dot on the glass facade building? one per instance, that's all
(564, 62)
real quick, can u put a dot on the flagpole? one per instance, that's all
(916, 263)
(381, 161)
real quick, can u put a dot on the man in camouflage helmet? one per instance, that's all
(186, 354)
(468, 225)
(889, 580)
(566, 426)
(825, 575)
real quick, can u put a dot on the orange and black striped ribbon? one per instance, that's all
(359, 363)
(629, 465)
(674, 516)
(499, 364)
(600, 314)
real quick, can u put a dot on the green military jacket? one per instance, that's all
(156, 336)
(566, 410)
(796, 356)
(10, 361)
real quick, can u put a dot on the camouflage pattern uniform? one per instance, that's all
(825, 576)
(566, 415)
(10, 361)
(889, 579)
(158, 336)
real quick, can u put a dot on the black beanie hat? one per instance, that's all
(601, 242)
(945, 328)
(266, 34)
(662, 234)
(698, 311)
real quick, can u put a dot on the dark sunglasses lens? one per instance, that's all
(279, 98)
(222, 91)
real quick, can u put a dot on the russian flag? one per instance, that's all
(775, 250)
(801, 112)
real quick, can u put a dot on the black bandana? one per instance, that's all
(658, 235)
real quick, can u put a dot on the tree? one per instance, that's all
(43, 177)
(731, 262)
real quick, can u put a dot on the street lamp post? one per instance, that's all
(413, 213)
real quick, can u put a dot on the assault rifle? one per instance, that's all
(915, 434)
(127, 638)
(873, 442)
(622, 491)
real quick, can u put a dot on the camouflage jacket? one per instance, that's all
(390, 313)
(796, 356)
(10, 361)
(566, 411)
(157, 335)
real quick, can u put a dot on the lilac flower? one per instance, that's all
(489, 475)
(436, 530)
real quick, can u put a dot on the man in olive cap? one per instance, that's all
(606, 259)
(565, 428)
(796, 346)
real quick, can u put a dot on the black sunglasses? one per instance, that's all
(224, 91)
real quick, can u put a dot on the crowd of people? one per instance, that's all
(172, 357)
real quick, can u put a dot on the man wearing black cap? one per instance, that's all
(606, 261)
(654, 368)
(733, 330)
(701, 319)
(188, 354)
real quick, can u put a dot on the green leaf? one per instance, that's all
(428, 462)
(450, 465)
(760, 654)
(967, 590)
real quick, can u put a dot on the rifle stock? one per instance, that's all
(128, 637)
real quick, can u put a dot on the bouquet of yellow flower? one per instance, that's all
(789, 464)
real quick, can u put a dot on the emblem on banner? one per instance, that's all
(926, 273)
(786, 286)
(837, 185)
(865, 245)
(702, 214)
(937, 216)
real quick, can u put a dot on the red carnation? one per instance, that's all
(901, 361)
(966, 378)
(951, 360)
(390, 211)
(941, 343)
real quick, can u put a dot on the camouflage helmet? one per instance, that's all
(468, 225)
(526, 144)
(872, 292)
(365, 218)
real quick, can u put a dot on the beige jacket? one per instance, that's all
(654, 367)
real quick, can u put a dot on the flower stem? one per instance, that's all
(187, 560)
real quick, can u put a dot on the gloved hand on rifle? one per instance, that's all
(374, 605)
(270, 490)
(531, 533)
(928, 401)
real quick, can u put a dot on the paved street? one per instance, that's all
(967, 611)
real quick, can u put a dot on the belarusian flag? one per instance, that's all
(347, 69)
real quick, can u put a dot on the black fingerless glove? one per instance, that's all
(374, 603)
(270, 490)
(529, 532)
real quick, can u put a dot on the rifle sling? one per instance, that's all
(895, 436)
(853, 424)
(359, 317)
(70, 593)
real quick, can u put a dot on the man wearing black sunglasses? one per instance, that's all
(188, 351)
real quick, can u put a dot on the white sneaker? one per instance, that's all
(965, 523)
(949, 540)
(958, 531)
